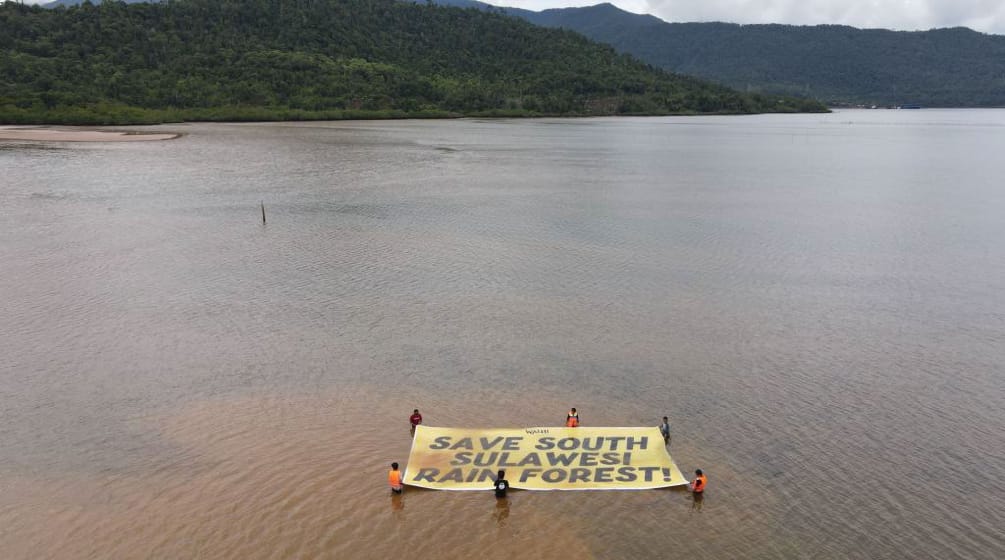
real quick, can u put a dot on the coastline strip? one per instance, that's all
(31, 134)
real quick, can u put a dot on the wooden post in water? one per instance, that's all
(263, 212)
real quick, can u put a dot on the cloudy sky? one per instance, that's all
(983, 15)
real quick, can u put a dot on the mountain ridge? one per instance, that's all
(838, 64)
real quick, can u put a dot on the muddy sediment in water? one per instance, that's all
(287, 476)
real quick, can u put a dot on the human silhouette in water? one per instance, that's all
(699, 482)
(665, 430)
(501, 485)
(572, 419)
(415, 419)
(394, 479)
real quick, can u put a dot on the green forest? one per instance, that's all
(118, 63)
(836, 64)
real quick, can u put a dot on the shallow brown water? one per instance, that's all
(816, 301)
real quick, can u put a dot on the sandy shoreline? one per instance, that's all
(77, 135)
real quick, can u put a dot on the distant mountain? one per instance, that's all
(278, 60)
(837, 64)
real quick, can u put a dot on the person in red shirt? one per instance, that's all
(415, 419)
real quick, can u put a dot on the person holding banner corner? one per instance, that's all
(665, 430)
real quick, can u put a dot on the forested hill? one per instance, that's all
(836, 64)
(312, 59)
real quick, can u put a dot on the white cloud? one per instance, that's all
(982, 15)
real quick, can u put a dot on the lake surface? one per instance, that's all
(816, 301)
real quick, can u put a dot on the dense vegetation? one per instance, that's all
(313, 59)
(837, 64)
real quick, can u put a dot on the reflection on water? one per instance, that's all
(397, 501)
(697, 501)
(808, 297)
(501, 514)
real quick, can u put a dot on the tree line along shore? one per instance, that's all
(263, 60)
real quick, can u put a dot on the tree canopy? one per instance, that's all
(314, 59)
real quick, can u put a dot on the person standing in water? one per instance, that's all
(698, 484)
(394, 479)
(665, 430)
(572, 419)
(415, 419)
(501, 484)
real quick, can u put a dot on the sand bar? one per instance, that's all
(77, 135)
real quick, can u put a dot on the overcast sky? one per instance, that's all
(983, 15)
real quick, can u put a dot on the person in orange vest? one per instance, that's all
(698, 484)
(394, 479)
(572, 419)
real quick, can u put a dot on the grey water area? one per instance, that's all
(816, 301)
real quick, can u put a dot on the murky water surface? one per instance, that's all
(817, 302)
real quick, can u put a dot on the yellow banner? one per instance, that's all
(541, 459)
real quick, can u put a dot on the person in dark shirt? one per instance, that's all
(665, 430)
(415, 419)
(501, 485)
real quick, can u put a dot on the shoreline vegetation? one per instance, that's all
(271, 60)
(130, 116)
